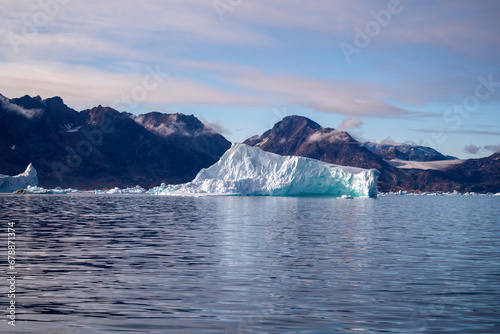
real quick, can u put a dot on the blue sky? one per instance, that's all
(424, 72)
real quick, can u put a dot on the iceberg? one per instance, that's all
(9, 184)
(39, 190)
(246, 170)
(116, 190)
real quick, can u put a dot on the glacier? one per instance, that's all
(10, 184)
(246, 170)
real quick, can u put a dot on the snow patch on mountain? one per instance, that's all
(69, 128)
(390, 150)
(425, 165)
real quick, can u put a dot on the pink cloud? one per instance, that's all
(350, 124)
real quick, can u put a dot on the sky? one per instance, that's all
(419, 72)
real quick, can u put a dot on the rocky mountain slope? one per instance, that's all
(405, 152)
(300, 136)
(296, 135)
(103, 148)
(184, 130)
(100, 147)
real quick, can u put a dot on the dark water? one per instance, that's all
(143, 264)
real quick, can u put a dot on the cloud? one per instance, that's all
(28, 113)
(248, 87)
(118, 23)
(216, 126)
(330, 136)
(175, 127)
(462, 25)
(342, 96)
(464, 131)
(84, 87)
(172, 126)
(389, 141)
(350, 124)
(472, 149)
(330, 96)
(94, 50)
(493, 148)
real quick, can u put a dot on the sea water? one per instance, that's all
(145, 264)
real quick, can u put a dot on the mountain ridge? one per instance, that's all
(300, 136)
(95, 148)
(102, 147)
(338, 147)
(405, 152)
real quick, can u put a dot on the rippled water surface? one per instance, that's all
(143, 264)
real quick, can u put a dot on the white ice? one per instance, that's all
(116, 190)
(10, 184)
(39, 190)
(246, 170)
(437, 165)
(68, 128)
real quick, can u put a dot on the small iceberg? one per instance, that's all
(39, 190)
(347, 197)
(116, 190)
(246, 170)
(10, 184)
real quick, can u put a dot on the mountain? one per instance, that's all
(99, 147)
(474, 175)
(184, 130)
(405, 152)
(102, 148)
(300, 136)
(297, 135)
(478, 175)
